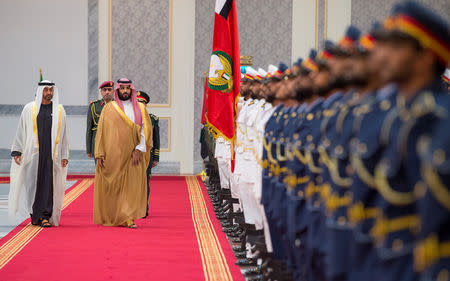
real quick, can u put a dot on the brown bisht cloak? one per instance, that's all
(120, 191)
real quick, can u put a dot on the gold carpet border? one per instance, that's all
(16, 243)
(219, 246)
(215, 234)
(215, 266)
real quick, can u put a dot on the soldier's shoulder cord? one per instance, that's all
(94, 112)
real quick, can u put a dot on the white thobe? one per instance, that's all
(129, 112)
(24, 176)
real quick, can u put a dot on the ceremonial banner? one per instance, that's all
(224, 72)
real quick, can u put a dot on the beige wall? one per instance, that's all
(180, 109)
(190, 30)
(33, 37)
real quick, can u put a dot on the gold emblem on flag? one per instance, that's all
(221, 72)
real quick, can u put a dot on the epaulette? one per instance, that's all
(154, 116)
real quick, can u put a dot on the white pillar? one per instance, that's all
(304, 27)
(339, 18)
(183, 56)
(104, 40)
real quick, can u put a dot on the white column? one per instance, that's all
(304, 27)
(183, 56)
(104, 42)
(339, 18)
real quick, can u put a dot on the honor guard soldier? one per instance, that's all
(411, 213)
(154, 153)
(269, 164)
(95, 108)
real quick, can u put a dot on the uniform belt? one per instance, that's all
(311, 189)
(358, 213)
(429, 251)
(264, 164)
(335, 201)
(277, 170)
(292, 181)
(325, 191)
(384, 226)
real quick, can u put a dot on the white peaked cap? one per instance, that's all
(447, 74)
(262, 72)
(251, 71)
(272, 69)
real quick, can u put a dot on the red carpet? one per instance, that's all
(181, 240)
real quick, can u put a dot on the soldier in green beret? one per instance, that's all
(95, 108)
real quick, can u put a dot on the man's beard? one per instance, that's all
(245, 93)
(121, 97)
(302, 94)
(356, 80)
(270, 99)
(323, 91)
(338, 83)
(47, 97)
(270, 96)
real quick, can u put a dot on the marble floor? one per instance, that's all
(5, 224)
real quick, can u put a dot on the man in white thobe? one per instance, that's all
(40, 152)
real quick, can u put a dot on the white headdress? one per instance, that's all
(39, 92)
(55, 105)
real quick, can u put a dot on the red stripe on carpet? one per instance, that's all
(4, 180)
(164, 247)
(80, 176)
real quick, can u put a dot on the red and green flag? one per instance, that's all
(224, 73)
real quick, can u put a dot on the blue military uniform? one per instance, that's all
(333, 185)
(398, 177)
(431, 254)
(365, 153)
(268, 161)
(279, 198)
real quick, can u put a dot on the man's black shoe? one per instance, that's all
(235, 234)
(226, 224)
(241, 254)
(245, 262)
(236, 240)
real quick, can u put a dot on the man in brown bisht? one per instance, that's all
(122, 150)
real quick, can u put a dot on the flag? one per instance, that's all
(224, 73)
(40, 73)
(205, 100)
